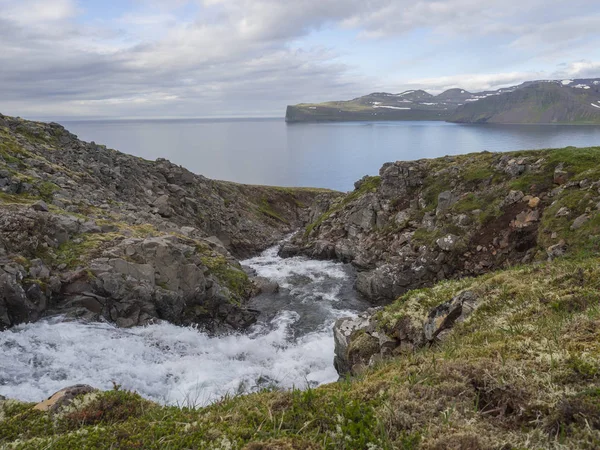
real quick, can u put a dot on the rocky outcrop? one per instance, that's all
(361, 342)
(424, 221)
(93, 233)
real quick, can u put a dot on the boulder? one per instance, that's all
(556, 250)
(560, 175)
(266, 286)
(15, 306)
(448, 243)
(163, 206)
(360, 341)
(40, 205)
(385, 282)
(443, 317)
(513, 197)
(445, 200)
(579, 221)
(64, 398)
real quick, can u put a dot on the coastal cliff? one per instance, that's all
(97, 234)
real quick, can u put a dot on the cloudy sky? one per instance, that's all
(223, 58)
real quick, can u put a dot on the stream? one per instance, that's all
(291, 345)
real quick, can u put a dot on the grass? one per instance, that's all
(265, 207)
(85, 247)
(519, 373)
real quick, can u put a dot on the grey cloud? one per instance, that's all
(235, 58)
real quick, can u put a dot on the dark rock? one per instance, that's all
(266, 286)
(445, 200)
(40, 205)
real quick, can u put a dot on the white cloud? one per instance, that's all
(31, 12)
(241, 56)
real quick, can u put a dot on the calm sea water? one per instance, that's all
(332, 155)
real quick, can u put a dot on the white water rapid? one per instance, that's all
(290, 346)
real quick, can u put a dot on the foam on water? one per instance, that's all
(183, 365)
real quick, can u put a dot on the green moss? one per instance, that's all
(469, 203)
(266, 208)
(21, 199)
(236, 280)
(423, 236)
(83, 248)
(479, 174)
(46, 190)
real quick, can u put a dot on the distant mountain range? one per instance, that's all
(542, 102)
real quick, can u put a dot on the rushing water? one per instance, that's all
(291, 345)
(329, 155)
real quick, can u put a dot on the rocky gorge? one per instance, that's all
(419, 223)
(482, 270)
(93, 233)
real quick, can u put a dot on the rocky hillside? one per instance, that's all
(560, 101)
(509, 360)
(95, 233)
(425, 221)
(569, 101)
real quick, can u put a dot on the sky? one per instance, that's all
(91, 59)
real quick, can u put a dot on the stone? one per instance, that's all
(445, 316)
(579, 221)
(40, 205)
(556, 250)
(515, 168)
(513, 197)
(448, 243)
(563, 212)
(525, 219)
(402, 217)
(266, 286)
(64, 398)
(163, 206)
(560, 175)
(445, 200)
(534, 202)
(385, 282)
(15, 307)
(342, 333)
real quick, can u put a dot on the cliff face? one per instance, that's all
(421, 222)
(93, 232)
(541, 102)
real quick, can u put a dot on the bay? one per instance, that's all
(329, 155)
